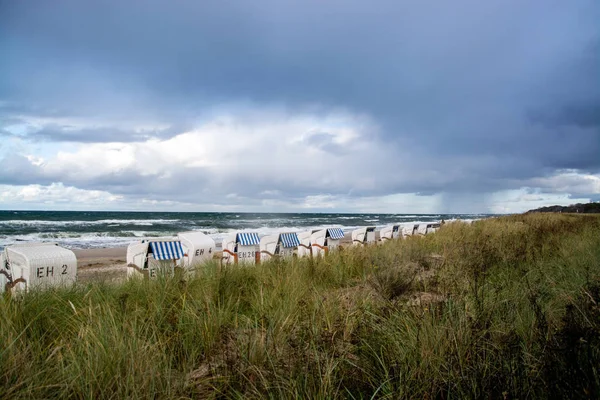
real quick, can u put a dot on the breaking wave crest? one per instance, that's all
(104, 229)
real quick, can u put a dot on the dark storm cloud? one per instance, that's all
(13, 114)
(585, 116)
(18, 170)
(487, 94)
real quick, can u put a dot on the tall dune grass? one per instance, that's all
(503, 308)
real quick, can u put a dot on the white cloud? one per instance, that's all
(570, 182)
(314, 153)
(55, 195)
(563, 188)
(524, 199)
(388, 204)
(320, 202)
(270, 160)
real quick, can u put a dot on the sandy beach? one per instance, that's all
(88, 258)
(105, 264)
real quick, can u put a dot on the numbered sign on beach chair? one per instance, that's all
(37, 265)
(241, 248)
(390, 232)
(153, 257)
(363, 236)
(279, 245)
(326, 240)
(197, 248)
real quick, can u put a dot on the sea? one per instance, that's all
(81, 229)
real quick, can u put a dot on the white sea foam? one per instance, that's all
(125, 237)
(84, 240)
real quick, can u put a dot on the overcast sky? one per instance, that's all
(352, 106)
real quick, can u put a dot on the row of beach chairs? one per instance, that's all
(27, 265)
(23, 266)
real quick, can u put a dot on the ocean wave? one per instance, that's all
(103, 233)
(84, 240)
(124, 238)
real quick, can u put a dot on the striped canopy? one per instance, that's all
(167, 250)
(248, 239)
(335, 233)
(289, 240)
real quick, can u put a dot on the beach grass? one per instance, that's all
(502, 308)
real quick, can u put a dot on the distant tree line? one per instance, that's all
(587, 208)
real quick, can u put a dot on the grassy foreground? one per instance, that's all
(504, 308)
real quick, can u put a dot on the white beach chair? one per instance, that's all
(390, 232)
(421, 229)
(241, 248)
(363, 236)
(325, 240)
(154, 256)
(197, 247)
(305, 248)
(278, 245)
(37, 265)
(409, 229)
(432, 228)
